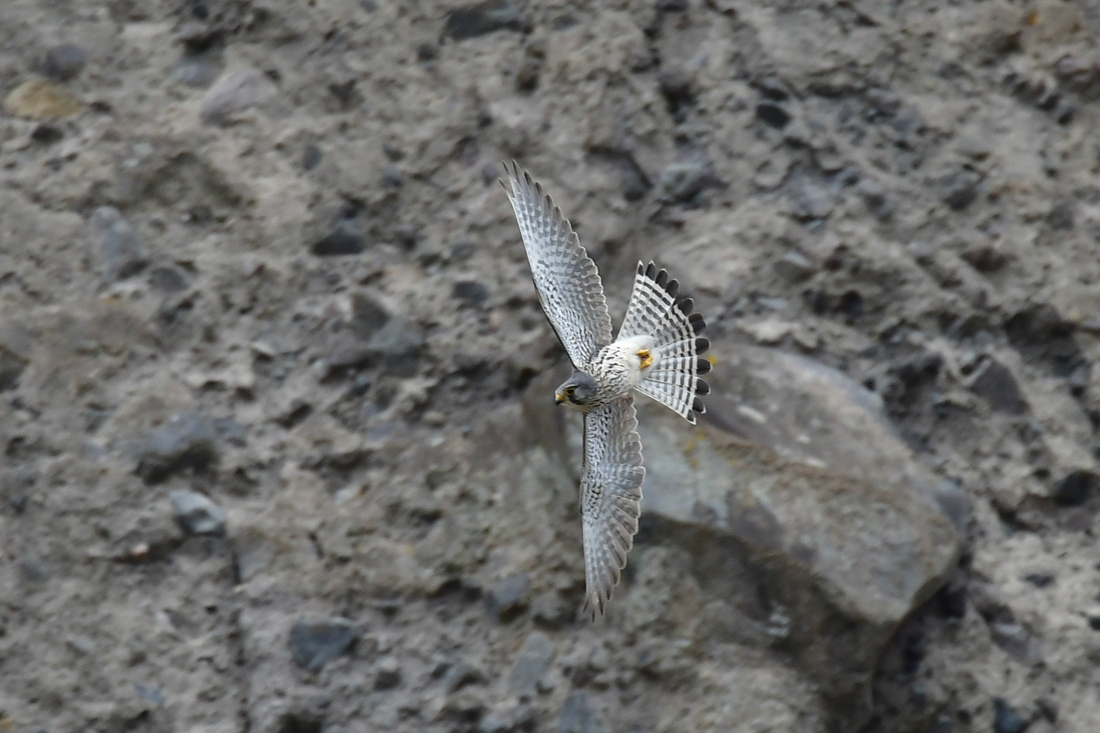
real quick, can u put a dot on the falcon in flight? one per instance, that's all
(657, 353)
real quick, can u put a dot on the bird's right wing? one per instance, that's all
(611, 496)
(566, 279)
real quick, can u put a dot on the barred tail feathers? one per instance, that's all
(655, 310)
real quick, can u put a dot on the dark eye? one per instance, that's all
(570, 390)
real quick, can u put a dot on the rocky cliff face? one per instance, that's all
(277, 444)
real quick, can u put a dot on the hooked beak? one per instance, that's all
(558, 399)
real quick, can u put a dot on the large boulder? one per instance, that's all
(793, 517)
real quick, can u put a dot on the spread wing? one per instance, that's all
(566, 279)
(611, 496)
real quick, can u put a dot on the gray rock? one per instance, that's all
(841, 522)
(463, 250)
(185, 440)
(551, 611)
(398, 345)
(874, 196)
(235, 92)
(314, 643)
(635, 183)
(196, 70)
(426, 52)
(168, 278)
(33, 570)
(151, 695)
(461, 674)
(492, 724)
(908, 124)
(800, 492)
(392, 177)
(16, 487)
(960, 188)
(15, 353)
(334, 230)
(677, 86)
(812, 200)
(47, 134)
(63, 62)
(534, 56)
(993, 382)
(510, 596)
(1016, 640)
(1006, 719)
(122, 251)
(1075, 488)
(82, 645)
(312, 155)
(197, 514)
(388, 675)
(473, 292)
(1062, 215)
(343, 239)
(794, 267)
(684, 180)
(308, 718)
(578, 715)
(294, 413)
(479, 19)
(532, 664)
(369, 315)
(380, 337)
(772, 113)
(984, 256)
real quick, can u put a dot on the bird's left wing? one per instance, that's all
(566, 279)
(611, 496)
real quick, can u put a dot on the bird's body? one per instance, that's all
(657, 352)
(617, 368)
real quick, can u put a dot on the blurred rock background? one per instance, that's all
(277, 445)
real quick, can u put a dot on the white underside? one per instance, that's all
(627, 350)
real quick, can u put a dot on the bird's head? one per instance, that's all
(578, 390)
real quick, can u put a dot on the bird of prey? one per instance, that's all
(657, 352)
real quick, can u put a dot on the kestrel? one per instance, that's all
(657, 353)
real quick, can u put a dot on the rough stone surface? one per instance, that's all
(803, 492)
(995, 383)
(122, 251)
(315, 643)
(531, 664)
(234, 93)
(386, 453)
(196, 513)
(186, 440)
(470, 21)
(510, 596)
(42, 99)
(63, 62)
(15, 348)
(577, 715)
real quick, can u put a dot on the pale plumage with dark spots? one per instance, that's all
(658, 352)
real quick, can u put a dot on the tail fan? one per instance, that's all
(674, 379)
